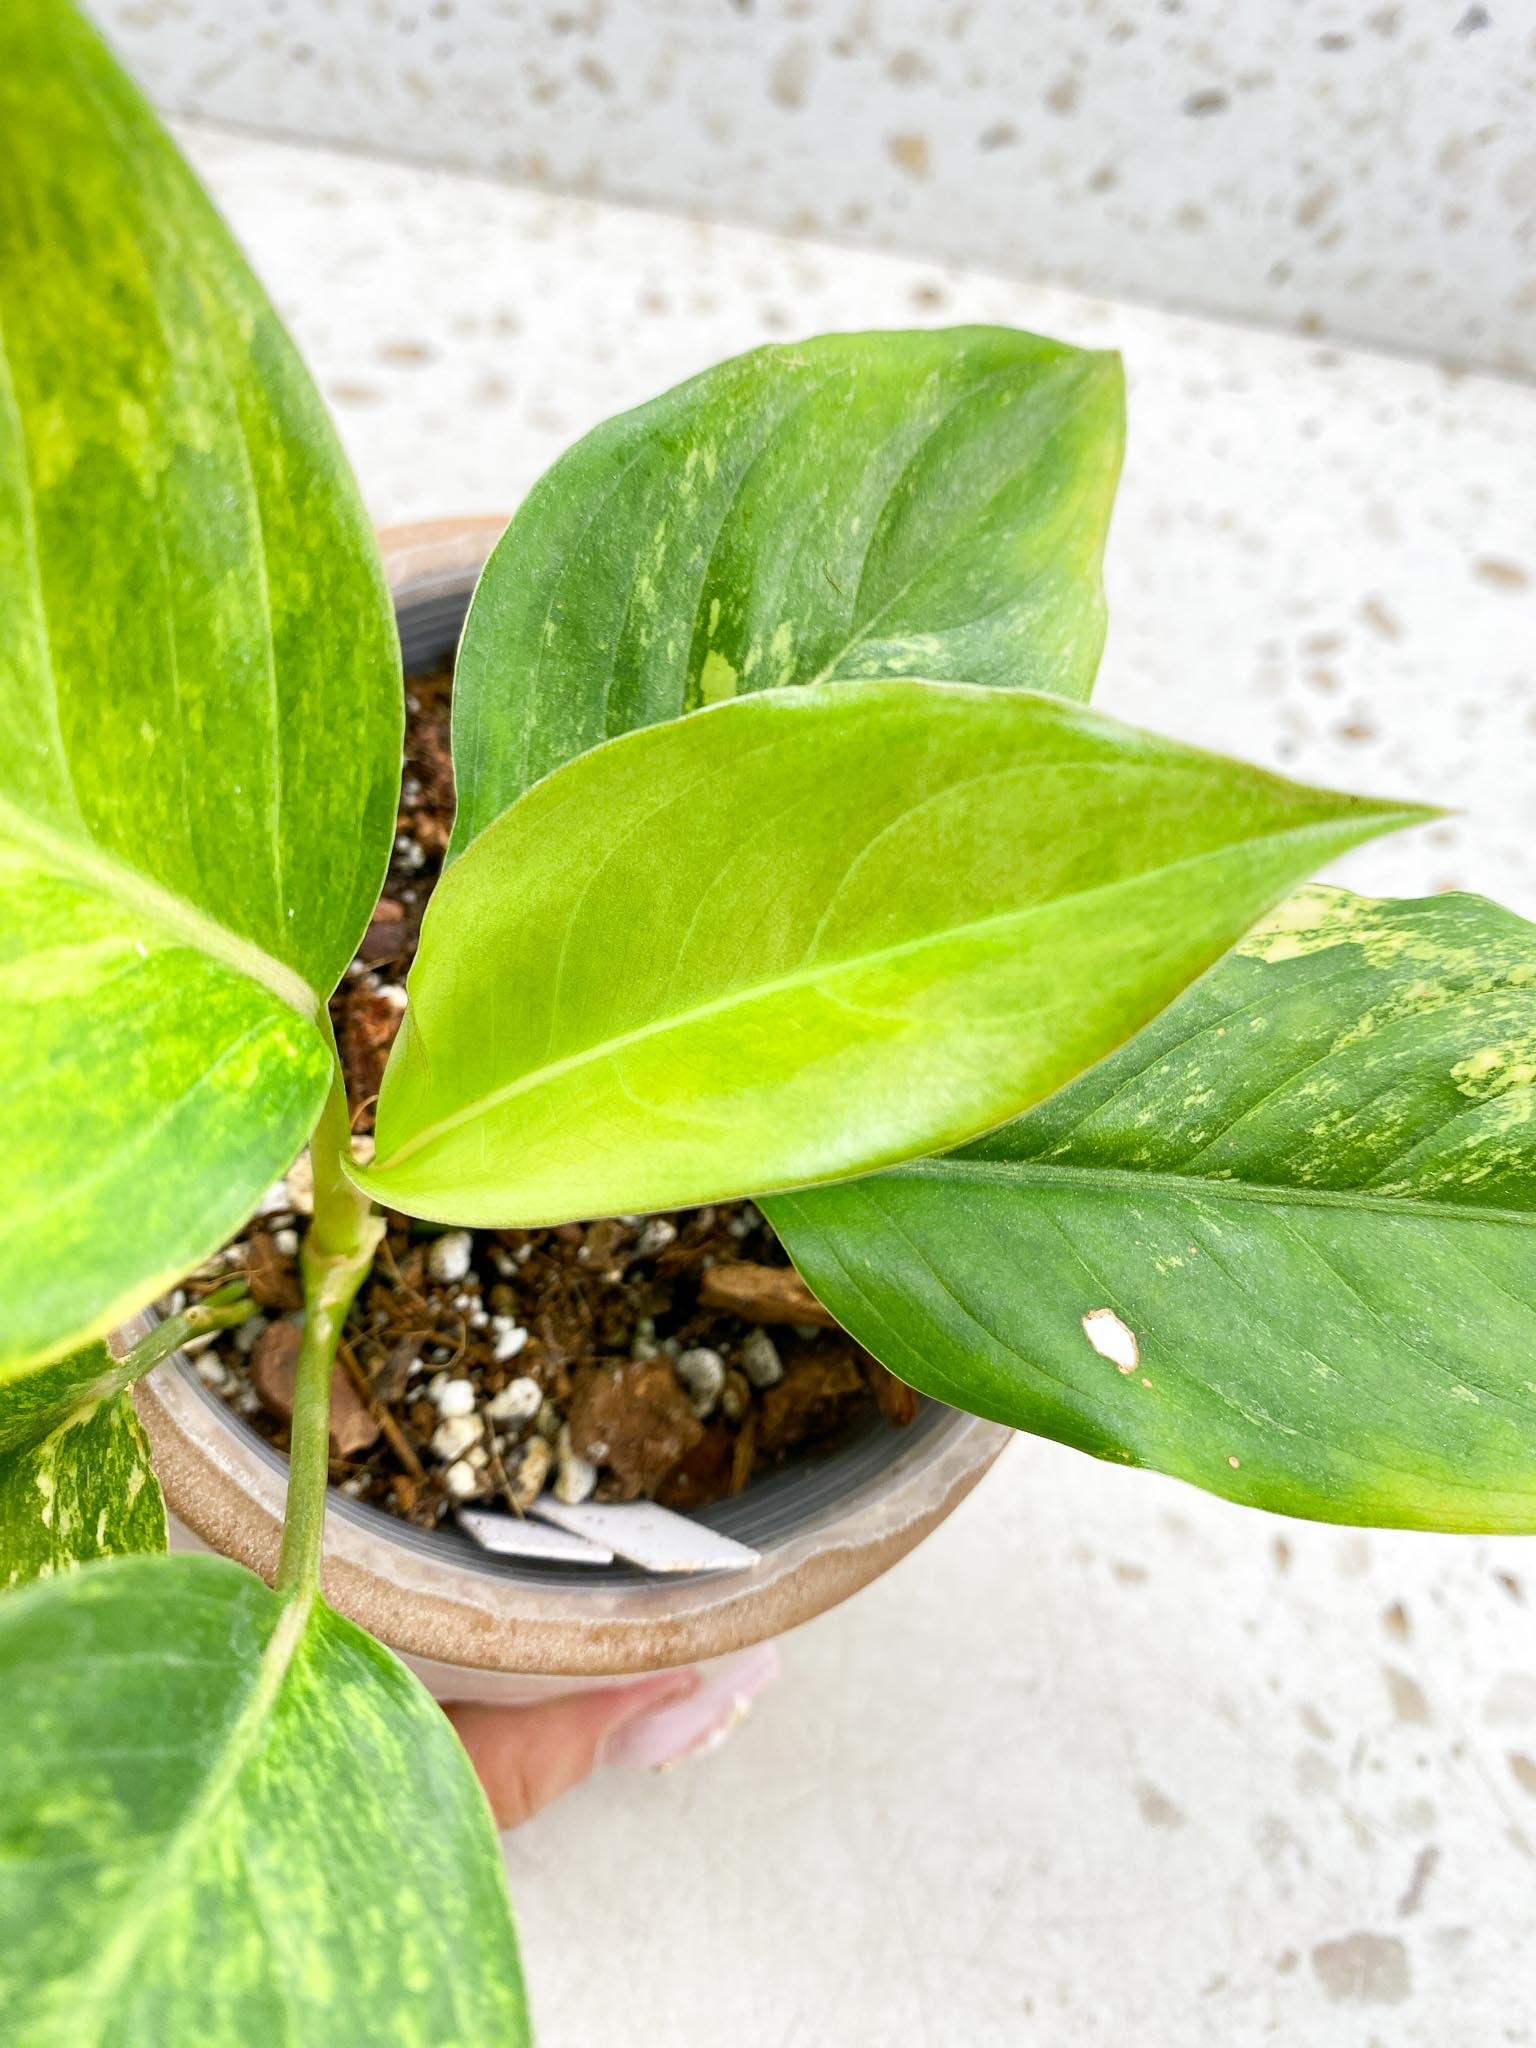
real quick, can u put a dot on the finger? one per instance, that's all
(527, 1756)
(701, 1721)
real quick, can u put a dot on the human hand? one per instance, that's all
(527, 1756)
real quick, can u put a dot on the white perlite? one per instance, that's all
(737, 1397)
(507, 1339)
(656, 1235)
(248, 1334)
(519, 1401)
(462, 1480)
(300, 1182)
(575, 1476)
(702, 1373)
(759, 1359)
(453, 1437)
(526, 1483)
(454, 1397)
(547, 1422)
(449, 1255)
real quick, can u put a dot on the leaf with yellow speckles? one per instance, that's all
(685, 967)
(230, 1817)
(75, 1477)
(199, 690)
(901, 504)
(82, 1490)
(1282, 1244)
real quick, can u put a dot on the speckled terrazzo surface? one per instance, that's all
(1104, 1761)
(1323, 560)
(1364, 168)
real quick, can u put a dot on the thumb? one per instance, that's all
(527, 1756)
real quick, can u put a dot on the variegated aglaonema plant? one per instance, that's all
(789, 864)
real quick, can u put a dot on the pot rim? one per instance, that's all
(429, 1600)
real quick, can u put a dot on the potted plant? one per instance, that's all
(507, 1629)
(787, 864)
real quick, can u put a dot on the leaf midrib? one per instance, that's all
(1014, 1176)
(806, 976)
(91, 86)
(859, 632)
(85, 862)
(10, 406)
(157, 1881)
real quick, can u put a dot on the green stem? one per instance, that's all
(336, 1258)
(343, 1213)
(221, 1310)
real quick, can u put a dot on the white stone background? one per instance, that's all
(1105, 1761)
(1365, 168)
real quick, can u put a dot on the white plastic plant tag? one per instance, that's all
(516, 1536)
(648, 1535)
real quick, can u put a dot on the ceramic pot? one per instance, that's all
(497, 1629)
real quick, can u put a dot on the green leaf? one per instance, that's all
(45, 1398)
(84, 1491)
(859, 505)
(199, 688)
(37, 1404)
(75, 1477)
(229, 1817)
(687, 966)
(147, 1100)
(1308, 1190)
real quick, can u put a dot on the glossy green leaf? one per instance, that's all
(1308, 1191)
(75, 1477)
(232, 1818)
(47, 1397)
(34, 1405)
(200, 697)
(927, 504)
(84, 1491)
(809, 932)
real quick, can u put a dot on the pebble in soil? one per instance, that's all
(664, 1357)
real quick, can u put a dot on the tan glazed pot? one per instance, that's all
(483, 1627)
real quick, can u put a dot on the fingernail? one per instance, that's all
(667, 1731)
(646, 1696)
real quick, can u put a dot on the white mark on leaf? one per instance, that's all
(1112, 1339)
